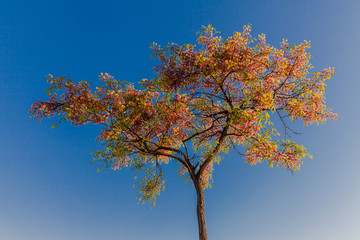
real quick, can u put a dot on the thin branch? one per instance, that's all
(287, 78)
(285, 126)
(234, 147)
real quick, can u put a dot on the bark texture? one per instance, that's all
(200, 210)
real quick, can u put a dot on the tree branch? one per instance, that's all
(215, 150)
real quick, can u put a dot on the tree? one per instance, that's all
(205, 101)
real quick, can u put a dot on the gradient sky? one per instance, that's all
(49, 190)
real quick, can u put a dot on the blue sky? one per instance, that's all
(49, 190)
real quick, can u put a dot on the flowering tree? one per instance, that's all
(205, 101)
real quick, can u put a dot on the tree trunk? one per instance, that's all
(200, 210)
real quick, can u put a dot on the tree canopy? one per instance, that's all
(212, 97)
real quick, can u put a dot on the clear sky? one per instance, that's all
(49, 190)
